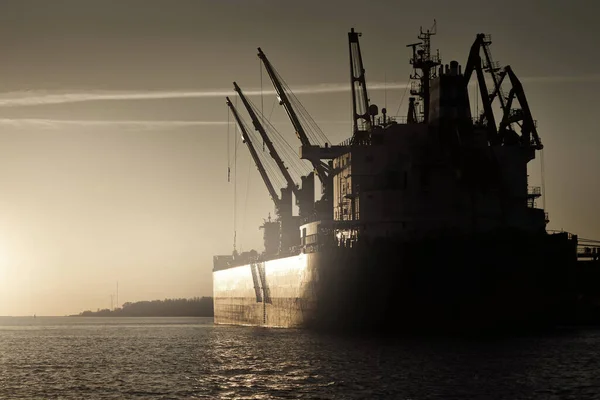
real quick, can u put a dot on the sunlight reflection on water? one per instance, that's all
(183, 358)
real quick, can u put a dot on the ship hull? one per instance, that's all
(495, 282)
(275, 293)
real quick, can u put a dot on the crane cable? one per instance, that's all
(246, 199)
(283, 148)
(235, 184)
(262, 104)
(402, 99)
(228, 148)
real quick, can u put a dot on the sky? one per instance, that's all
(115, 141)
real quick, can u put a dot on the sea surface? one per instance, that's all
(190, 358)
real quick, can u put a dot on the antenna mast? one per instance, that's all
(424, 67)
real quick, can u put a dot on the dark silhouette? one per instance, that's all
(194, 307)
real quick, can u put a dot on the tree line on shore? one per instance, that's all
(194, 307)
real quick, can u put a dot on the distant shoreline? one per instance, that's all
(194, 307)
(119, 315)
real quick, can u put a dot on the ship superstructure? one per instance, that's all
(428, 217)
(440, 169)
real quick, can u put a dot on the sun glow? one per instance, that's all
(4, 266)
(7, 272)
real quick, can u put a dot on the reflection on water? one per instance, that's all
(183, 358)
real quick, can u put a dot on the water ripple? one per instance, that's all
(179, 358)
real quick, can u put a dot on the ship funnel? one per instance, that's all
(453, 67)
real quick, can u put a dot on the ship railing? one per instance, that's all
(398, 119)
(556, 232)
(534, 191)
(345, 142)
(588, 251)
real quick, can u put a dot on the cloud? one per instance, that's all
(594, 78)
(133, 124)
(56, 123)
(33, 98)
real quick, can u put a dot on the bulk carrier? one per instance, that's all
(423, 222)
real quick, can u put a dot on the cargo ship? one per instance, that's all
(425, 221)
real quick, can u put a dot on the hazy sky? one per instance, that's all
(97, 191)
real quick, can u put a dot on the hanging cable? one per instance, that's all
(262, 104)
(272, 108)
(402, 100)
(284, 149)
(228, 149)
(235, 185)
(246, 199)
(318, 135)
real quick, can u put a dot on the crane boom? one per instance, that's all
(529, 130)
(284, 99)
(320, 168)
(272, 151)
(360, 98)
(522, 115)
(474, 63)
(255, 157)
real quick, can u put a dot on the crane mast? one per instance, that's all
(256, 158)
(360, 100)
(321, 169)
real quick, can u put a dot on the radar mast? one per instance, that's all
(424, 68)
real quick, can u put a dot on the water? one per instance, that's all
(190, 358)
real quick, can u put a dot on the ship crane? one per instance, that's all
(280, 235)
(256, 159)
(304, 205)
(503, 134)
(313, 153)
(521, 116)
(322, 169)
(362, 114)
